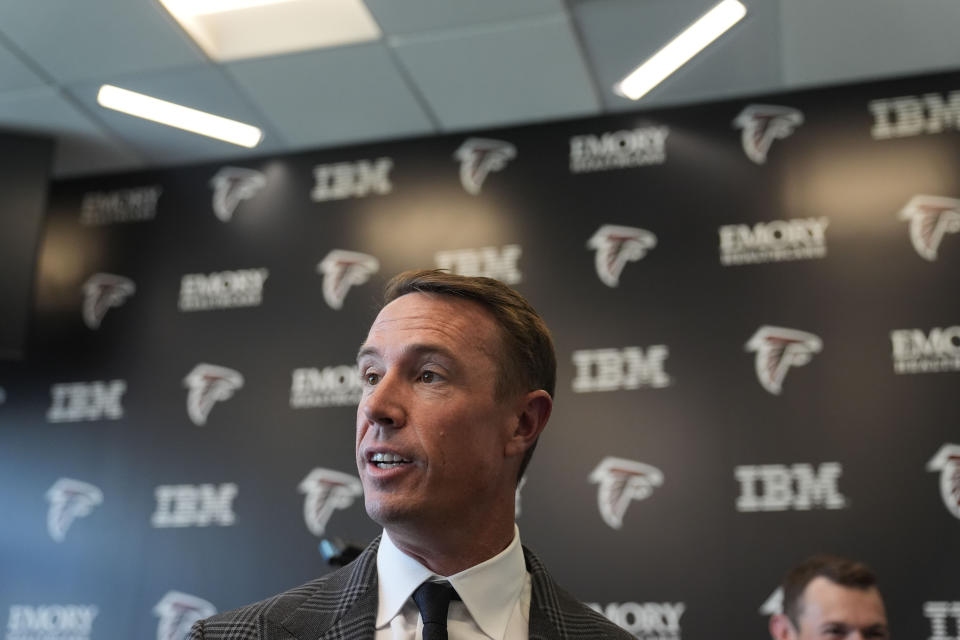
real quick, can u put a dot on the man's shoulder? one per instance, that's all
(251, 620)
(569, 616)
(323, 599)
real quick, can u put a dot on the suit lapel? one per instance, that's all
(546, 612)
(344, 607)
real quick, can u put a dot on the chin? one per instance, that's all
(382, 513)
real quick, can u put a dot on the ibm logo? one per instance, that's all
(798, 487)
(186, 505)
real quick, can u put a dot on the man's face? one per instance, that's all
(431, 434)
(833, 612)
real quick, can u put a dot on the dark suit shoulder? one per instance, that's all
(249, 622)
(303, 611)
(580, 621)
(554, 613)
(262, 619)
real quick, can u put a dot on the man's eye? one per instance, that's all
(429, 377)
(371, 378)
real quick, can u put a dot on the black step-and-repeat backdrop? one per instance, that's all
(756, 306)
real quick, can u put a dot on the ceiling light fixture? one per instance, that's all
(175, 115)
(205, 7)
(230, 30)
(681, 49)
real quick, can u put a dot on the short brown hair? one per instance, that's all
(841, 571)
(527, 361)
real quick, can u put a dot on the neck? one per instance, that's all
(449, 548)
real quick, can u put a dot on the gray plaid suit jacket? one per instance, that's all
(343, 606)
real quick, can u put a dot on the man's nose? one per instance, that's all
(383, 405)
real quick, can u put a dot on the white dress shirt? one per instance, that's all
(495, 594)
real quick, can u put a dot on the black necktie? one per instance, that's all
(433, 599)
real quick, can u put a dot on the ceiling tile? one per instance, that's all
(411, 16)
(14, 74)
(332, 96)
(74, 41)
(205, 88)
(522, 71)
(621, 34)
(867, 39)
(83, 147)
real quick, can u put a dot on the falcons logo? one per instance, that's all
(777, 350)
(762, 124)
(774, 604)
(102, 291)
(615, 247)
(231, 185)
(517, 504)
(209, 384)
(947, 462)
(342, 270)
(178, 611)
(931, 218)
(620, 482)
(480, 156)
(326, 490)
(69, 499)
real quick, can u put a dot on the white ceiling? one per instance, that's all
(441, 66)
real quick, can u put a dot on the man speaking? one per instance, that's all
(458, 375)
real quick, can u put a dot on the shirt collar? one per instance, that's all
(489, 590)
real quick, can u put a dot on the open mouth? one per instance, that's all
(388, 460)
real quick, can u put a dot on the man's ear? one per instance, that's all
(781, 628)
(533, 411)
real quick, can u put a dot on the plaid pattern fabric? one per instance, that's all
(343, 606)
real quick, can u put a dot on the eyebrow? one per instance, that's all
(419, 349)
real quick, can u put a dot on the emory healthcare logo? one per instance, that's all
(231, 186)
(773, 241)
(222, 289)
(209, 384)
(326, 490)
(930, 218)
(51, 622)
(478, 157)
(328, 387)
(618, 149)
(616, 246)
(916, 351)
(947, 462)
(69, 499)
(178, 611)
(99, 208)
(646, 621)
(342, 270)
(102, 291)
(620, 482)
(938, 613)
(761, 124)
(777, 350)
(914, 115)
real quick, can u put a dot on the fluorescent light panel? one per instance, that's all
(175, 115)
(237, 29)
(681, 49)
